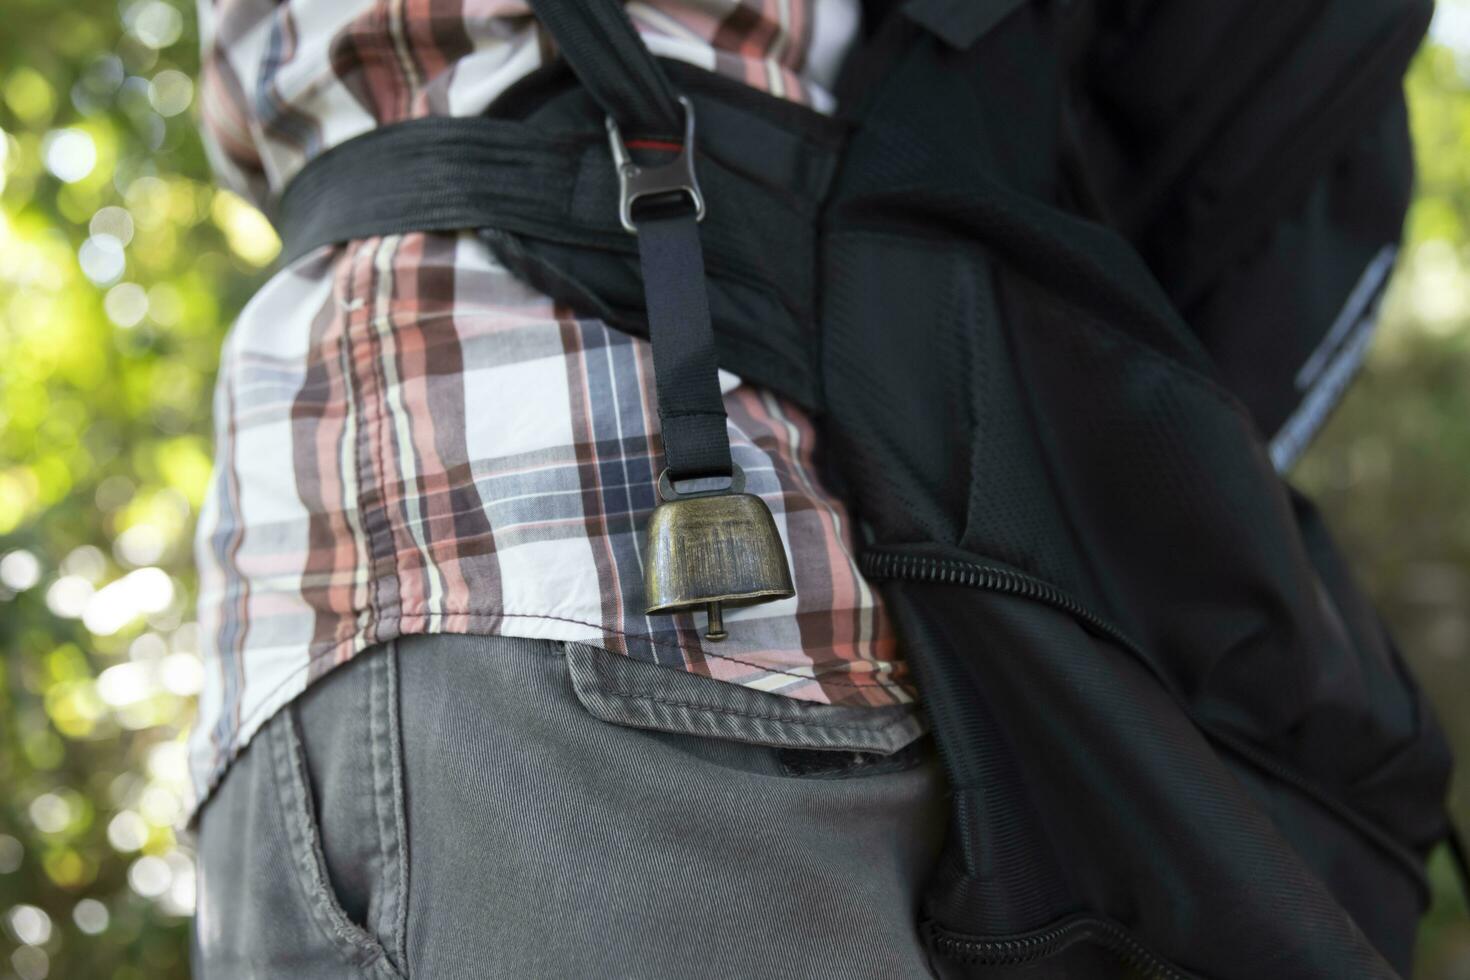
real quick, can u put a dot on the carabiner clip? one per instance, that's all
(676, 176)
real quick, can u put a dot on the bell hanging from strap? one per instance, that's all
(710, 548)
(713, 549)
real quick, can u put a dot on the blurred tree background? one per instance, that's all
(120, 270)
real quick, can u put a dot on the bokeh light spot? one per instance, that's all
(183, 674)
(127, 832)
(154, 23)
(67, 597)
(180, 897)
(168, 762)
(102, 259)
(91, 916)
(165, 304)
(150, 876)
(29, 95)
(124, 684)
(66, 868)
(30, 926)
(50, 813)
(138, 593)
(114, 492)
(141, 544)
(247, 230)
(69, 154)
(170, 92)
(115, 221)
(148, 648)
(126, 304)
(30, 963)
(86, 560)
(12, 852)
(19, 570)
(159, 806)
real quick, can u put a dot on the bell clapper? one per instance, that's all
(716, 628)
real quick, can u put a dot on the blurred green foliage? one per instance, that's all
(120, 268)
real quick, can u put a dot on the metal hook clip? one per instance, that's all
(676, 176)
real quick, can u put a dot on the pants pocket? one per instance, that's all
(357, 945)
(273, 900)
(548, 842)
(815, 740)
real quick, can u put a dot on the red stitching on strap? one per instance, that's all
(668, 145)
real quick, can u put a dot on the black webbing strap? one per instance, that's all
(437, 174)
(608, 57)
(685, 370)
(611, 61)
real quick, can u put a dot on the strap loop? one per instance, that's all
(691, 410)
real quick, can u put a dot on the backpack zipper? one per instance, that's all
(992, 578)
(1047, 942)
(884, 564)
(1036, 946)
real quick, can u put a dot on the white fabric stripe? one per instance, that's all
(398, 414)
(347, 462)
(779, 46)
(628, 612)
(400, 47)
(480, 77)
(834, 27)
(653, 22)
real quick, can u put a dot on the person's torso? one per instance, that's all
(412, 440)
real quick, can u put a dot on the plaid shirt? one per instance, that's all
(410, 440)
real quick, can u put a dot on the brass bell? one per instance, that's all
(713, 549)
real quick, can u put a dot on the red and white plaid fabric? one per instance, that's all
(410, 440)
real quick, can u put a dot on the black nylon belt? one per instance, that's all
(361, 188)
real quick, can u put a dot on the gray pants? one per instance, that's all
(452, 807)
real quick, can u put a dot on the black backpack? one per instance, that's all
(1067, 284)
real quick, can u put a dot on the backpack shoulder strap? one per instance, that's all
(613, 64)
(611, 61)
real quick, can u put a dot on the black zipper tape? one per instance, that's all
(1033, 947)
